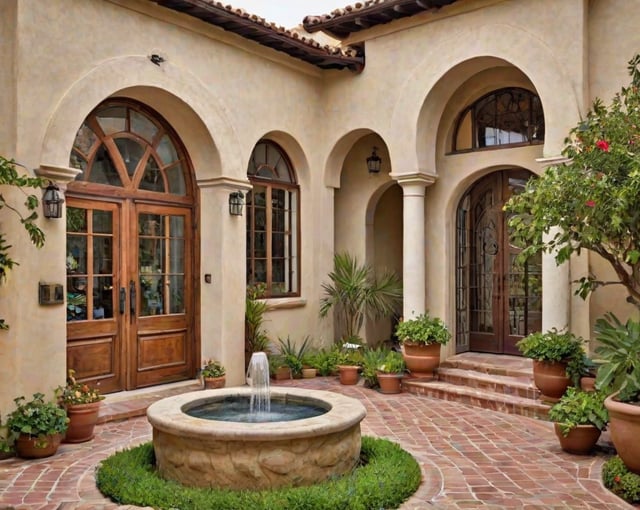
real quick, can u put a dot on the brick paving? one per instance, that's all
(470, 457)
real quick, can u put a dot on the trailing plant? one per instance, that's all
(75, 392)
(423, 329)
(9, 176)
(256, 338)
(212, 368)
(385, 478)
(37, 417)
(355, 292)
(393, 363)
(577, 407)
(618, 479)
(619, 353)
(591, 201)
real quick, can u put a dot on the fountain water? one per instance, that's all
(248, 454)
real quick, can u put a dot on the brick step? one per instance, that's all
(520, 385)
(506, 403)
(497, 364)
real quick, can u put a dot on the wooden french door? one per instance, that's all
(129, 293)
(498, 300)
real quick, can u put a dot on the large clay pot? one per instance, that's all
(349, 374)
(31, 447)
(580, 440)
(551, 379)
(390, 383)
(421, 359)
(82, 421)
(624, 427)
(211, 383)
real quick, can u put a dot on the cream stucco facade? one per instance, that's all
(222, 94)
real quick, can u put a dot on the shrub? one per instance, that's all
(619, 480)
(387, 477)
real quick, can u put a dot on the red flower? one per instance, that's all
(590, 203)
(617, 479)
(603, 145)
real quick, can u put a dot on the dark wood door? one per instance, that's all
(129, 293)
(504, 296)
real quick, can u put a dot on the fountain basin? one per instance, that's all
(201, 452)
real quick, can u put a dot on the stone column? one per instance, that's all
(413, 241)
(556, 279)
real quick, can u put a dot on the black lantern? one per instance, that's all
(373, 162)
(236, 201)
(52, 202)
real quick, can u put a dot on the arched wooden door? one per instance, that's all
(498, 301)
(130, 257)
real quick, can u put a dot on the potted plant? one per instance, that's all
(278, 369)
(371, 360)
(421, 338)
(619, 376)
(309, 369)
(355, 292)
(82, 404)
(37, 426)
(579, 418)
(552, 353)
(349, 363)
(213, 374)
(293, 355)
(390, 373)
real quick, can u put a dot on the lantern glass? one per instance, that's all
(236, 201)
(52, 202)
(373, 162)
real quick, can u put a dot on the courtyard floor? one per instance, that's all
(470, 458)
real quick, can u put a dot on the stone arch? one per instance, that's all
(171, 90)
(442, 77)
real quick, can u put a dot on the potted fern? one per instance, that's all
(579, 418)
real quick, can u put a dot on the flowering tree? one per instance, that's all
(594, 198)
(9, 177)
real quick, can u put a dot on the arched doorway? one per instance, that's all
(130, 261)
(498, 300)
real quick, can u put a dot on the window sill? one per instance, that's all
(285, 303)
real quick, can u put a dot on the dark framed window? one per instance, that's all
(273, 222)
(505, 117)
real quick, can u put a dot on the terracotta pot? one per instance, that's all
(82, 421)
(624, 427)
(211, 383)
(282, 373)
(588, 383)
(349, 374)
(390, 383)
(421, 359)
(580, 440)
(308, 373)
(30, 447)
(551, 379)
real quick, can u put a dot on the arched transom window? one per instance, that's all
(121, 144)
(506, 117)
(273, 211)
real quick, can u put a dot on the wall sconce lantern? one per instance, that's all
(373, 162)
(236, 201)
(52, 202)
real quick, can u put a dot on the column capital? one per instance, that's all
(552, 160)
(412, 178)
(225, 183)
(61, 175)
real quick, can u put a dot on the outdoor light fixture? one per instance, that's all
(52, 202)
(373, 162)
(236, 201)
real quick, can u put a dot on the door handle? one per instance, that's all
(123, 298)
(132, 297)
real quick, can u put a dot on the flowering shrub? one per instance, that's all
(619, 480)
(76, 392)
(594, 198)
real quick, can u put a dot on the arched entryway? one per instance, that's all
(130, 251)
(498, 300)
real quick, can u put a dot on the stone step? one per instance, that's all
(503, 402)
(496, 364)
(517, 385)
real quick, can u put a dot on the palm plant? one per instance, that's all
(355, 292)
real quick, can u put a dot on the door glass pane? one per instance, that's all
(76, 219)
(176, 226)
(103, 171)
(76, 254)
(152, 295)
(142, 126)
(102, 250)
(103, 298)
(152, 178)
(131, 152)
(149, 224)
(113, 119)
(176, 294)
(150, 255)
(175, 176)
(102, 222)
(85, 138)
(167, 151)
(176, 261)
